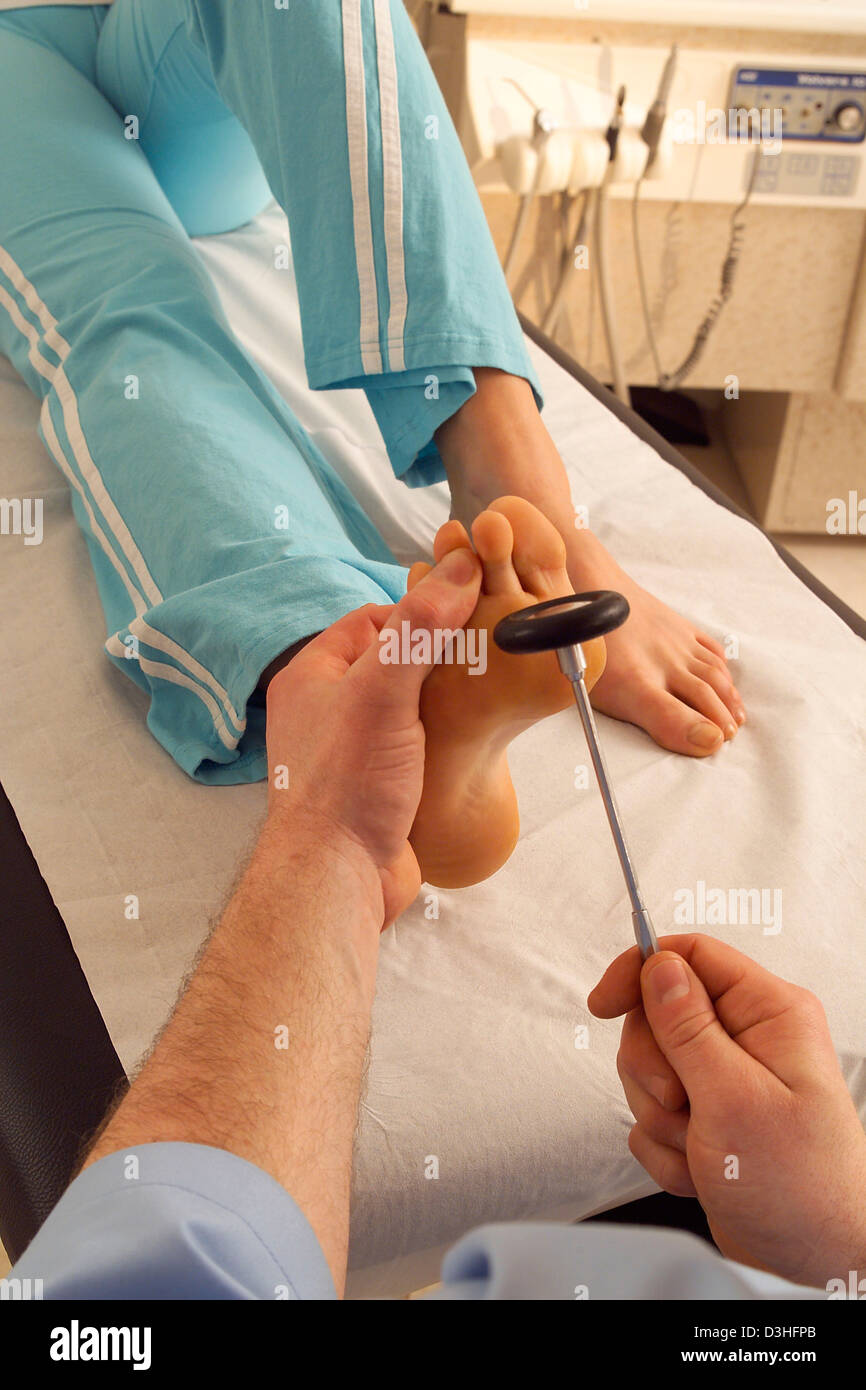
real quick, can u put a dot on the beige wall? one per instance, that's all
(795, 328)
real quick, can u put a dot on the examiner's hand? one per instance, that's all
(346, 728)
(732, 1078)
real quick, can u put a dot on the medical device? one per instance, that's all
(563, 625)
(631, 158)
(656, 117)
(613, 136)
(593, 186)
(543, 127)
(651, 134)
(499, 61)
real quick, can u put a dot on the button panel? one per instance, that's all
(801, 104)
(792, 174)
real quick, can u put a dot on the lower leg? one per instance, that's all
(218, 534)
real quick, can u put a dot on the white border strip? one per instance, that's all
(170, 673)
(356, 130)
(392, 179)
(45, 369)
(65, 394)
(154, 638)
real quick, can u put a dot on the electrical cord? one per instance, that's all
(668, 283)
(571, 244)
(543, 126)
(641, 280)
(671, 381)
(599, 205)
(523, 211)
(605, 294)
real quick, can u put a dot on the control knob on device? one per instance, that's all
(848, 118)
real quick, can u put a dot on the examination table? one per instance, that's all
(492, 1093)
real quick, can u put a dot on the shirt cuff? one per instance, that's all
(176, 1221)
(591, 1262)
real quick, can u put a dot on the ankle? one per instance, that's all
(493, 434)
(499, 398)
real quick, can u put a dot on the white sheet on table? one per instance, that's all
(473, 1056)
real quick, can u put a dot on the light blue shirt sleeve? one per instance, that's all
(590, 1262)
(184, 1221)
(176, 1221)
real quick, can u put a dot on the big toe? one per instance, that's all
(538, 554)
(449, 537)
(494, 542)
(672, 723)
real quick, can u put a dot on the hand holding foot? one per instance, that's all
(360, 781)
(345, 741)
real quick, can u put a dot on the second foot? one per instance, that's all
(467, 823)
(662, 673)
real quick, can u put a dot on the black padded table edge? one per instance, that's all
(59, 1072)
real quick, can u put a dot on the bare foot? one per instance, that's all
(662, 673)
(467, 823)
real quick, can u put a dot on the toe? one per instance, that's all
(539, 550)
(675, 725)
(494, 541)
(702, 653)
(449, 537)
(722, 685)
(416, 574)
(711, 645)
(693, 691)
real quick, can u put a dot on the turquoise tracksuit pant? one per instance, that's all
(124, 130)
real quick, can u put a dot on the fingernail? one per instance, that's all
(730, 730)
(705, 735)
(658, 1088)
(459, 566)
(741, 716)
(668, 981)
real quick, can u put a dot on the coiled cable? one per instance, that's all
(670, 381)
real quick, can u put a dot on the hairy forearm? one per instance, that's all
(264, 1055)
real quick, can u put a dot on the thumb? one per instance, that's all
(687, 1028)
(394, 668)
